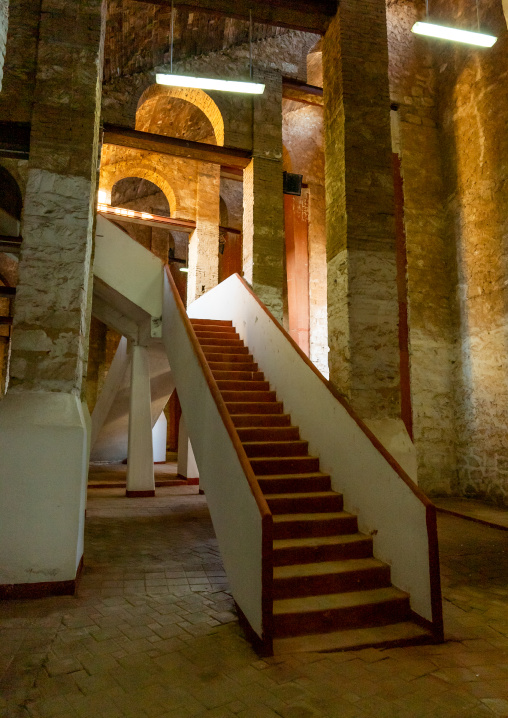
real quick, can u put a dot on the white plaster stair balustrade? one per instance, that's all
(388, 504)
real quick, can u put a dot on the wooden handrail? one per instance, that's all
(264, 510)
(430, 509)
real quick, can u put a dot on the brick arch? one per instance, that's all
(111, 174)
(198, 98)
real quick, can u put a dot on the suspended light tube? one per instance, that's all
(209, 83)
(452, 33)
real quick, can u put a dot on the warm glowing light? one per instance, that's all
(102, 207)
(209, 83)
(184, 269)
(145, 215)
(102, 196)
(453, 33)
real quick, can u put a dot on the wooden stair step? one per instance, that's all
(284, 464)
(229, 348)
(249, 396)
(297, 447)
(390, 635)
(312, 579)
(229, 367)
(321, 548)
(254, 420)
(233, 376)
(268, 433)
(236, 354)
(305, 525)
(328, 612)
(223, 345)
(217, 336)
(258, 407)
(294, 483)
(242, 385)
(212, 322)
(310, 502)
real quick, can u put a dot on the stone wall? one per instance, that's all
(52, 308)
(473, 105)
(362, 291)
(16, 98)
(4, 24)
(431, 275)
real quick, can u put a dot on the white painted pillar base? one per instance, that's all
(187, 467)
(43, 477)
(140, 476)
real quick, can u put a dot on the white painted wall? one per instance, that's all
(110, 434)
(386, 506)
(233, 508)
(140, 278)
(48, 544)
(140, 475)
(114, 380)
(187, 466)
(159, 437)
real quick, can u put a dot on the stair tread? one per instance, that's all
(270, 442)
(281, 518)
(325, 567)
(331, 601)
(292, 457)
(315, 541)
(278, 477)
(353, 638)
(304, 494)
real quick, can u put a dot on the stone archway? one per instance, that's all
(195, 97)
(111, 174)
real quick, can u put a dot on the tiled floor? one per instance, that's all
(152, 633)
(475, 510)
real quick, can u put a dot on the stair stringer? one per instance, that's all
(239, 511)
(389, 505)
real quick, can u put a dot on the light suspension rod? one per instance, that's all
(209, 83)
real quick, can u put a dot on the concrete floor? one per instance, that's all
(152, 633)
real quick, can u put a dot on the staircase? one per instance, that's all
(329, 592)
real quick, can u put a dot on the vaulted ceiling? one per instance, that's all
(138, 32)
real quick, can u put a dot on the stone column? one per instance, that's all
(44, 427)
(140, 476)
(187, 467)
(361, 252)
(204, 241)
(263, 207)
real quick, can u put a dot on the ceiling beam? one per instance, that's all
(308, 15)
(199, 151)
(11, 245)
(301, 92)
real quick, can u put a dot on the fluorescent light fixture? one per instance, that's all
(208, 83)
(184, 269)
(453, 33)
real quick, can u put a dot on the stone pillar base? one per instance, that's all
(43, 478)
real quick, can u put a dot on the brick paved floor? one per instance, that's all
(152, 633)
